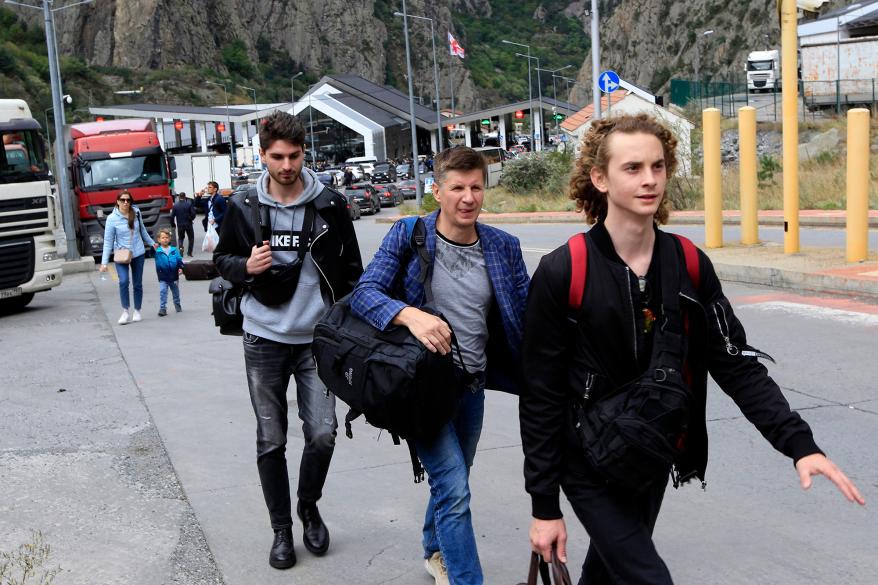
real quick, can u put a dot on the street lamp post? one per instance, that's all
(293, 88)
(530, 95)
(69, 205)
(419, 189)
(595, 59)
(435, 79)
(696, 65)
(228, 119)
(540, 93)
(554, 93)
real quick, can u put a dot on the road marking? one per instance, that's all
(819, 312)
(537, 250)
(838, 303)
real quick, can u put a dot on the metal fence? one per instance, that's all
(726, 96)
(818, 96)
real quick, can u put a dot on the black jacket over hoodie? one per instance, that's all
(557, 355)
(334, 246)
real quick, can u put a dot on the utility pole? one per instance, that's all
(595, 59)
(68, 205)
(419, 189)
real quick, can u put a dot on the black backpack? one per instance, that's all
(388, 376)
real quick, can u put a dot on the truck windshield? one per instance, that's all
(22, 158)
(760, 65)
(123, 172)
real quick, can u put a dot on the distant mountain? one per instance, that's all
(170, 47)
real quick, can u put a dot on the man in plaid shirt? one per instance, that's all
(479, 283)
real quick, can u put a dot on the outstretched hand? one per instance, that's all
(818, 464)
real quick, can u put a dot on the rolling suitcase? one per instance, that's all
(200, 270)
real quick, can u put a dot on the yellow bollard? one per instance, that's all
(789, 67)
(713, 191)
(858, 185)
(747, 170)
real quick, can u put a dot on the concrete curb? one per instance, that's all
(81, 265)
(798, 281)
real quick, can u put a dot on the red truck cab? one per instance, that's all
(111, 156)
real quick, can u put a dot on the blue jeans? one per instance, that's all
(269, 367)
(163, 293)
(447, 459)
(136, 271)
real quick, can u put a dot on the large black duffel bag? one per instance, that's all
(387, 376)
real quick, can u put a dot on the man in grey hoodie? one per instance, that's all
(305, 258)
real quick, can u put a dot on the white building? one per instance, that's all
(627, 102)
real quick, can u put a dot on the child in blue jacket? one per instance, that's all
(168, 266)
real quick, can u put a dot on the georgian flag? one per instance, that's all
(454, 47)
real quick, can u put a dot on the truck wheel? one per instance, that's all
(16, 303)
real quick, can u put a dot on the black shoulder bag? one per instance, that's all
(226, 294)
(633, 434)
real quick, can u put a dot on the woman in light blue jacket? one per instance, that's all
(125, 229)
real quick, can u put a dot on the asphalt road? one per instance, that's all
(142, 470)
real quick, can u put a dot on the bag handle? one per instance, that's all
(559, 573)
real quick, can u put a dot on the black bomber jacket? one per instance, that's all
(334, 246)
(557, 356)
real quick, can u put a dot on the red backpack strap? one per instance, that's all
(578, 270)
(690, 254)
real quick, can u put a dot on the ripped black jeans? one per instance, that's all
(269, 367)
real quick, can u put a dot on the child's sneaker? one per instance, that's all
(124, 318)
(162, 312)
(178, 308)
(136, 316)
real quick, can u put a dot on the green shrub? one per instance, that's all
(538, 172)
(236, 60)
(768, 165)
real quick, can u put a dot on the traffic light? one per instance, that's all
(486, 122)
(220, 127)
(519, 114)
(178, 124)
(558, 117)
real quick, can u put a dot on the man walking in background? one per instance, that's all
(183, 216)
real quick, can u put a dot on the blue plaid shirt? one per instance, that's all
(381, 294)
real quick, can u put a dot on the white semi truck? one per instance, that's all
(29, 211)
(763, 71)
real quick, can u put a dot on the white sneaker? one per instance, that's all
(124, 318)
(435, 566)
(136, 316)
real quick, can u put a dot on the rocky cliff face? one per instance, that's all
(649, 41)
(646, 41)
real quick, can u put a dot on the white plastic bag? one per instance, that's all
(211, 239)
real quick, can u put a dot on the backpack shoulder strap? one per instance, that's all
(255, 215)
(690, 254)
(416, 234)
(578, 270)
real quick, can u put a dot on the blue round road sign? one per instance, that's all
(608, 81)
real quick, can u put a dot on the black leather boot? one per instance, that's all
(315, 535)
(282, 554)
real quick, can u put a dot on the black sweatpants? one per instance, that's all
(619, 525)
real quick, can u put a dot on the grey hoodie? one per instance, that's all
(293, 321)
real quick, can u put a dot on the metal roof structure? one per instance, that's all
(239, 114)
(386, 98)
(565, 108)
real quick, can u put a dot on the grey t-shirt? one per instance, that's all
(462, 292)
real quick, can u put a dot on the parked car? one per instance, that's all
(384, 172)
(253, 177)
(353, 206)
(408, 189)
(389, 195)
(406, 171)
(325, 178)
(366, 197)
